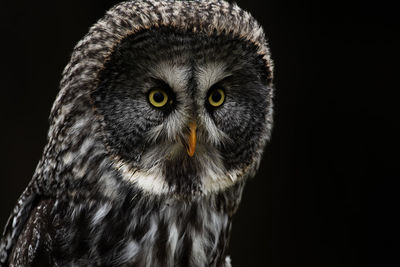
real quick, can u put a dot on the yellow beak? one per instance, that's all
(191, 148)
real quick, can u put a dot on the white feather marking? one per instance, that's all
(129, 252)
(214, 176)
(173, 238)
(150, 181)
(68, 158)
(228, 261)
(209, 74)
(175, 75)
(109, 185)
(198, 253)
(101, 212)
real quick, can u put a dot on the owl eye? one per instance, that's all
(158, 98)
(216, 98)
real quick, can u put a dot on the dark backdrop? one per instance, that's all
(327, 190)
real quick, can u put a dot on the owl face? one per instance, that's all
(184, 111)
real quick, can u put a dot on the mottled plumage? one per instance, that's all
(117, 185)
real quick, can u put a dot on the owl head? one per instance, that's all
(179, 94)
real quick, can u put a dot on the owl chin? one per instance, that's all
(169, 169)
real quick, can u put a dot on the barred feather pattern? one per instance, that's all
(79, 209)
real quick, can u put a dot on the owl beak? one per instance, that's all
(191, 147)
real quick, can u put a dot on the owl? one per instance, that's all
(163, 114)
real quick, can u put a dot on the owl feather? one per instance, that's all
(163, 113)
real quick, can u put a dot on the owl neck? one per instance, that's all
(155, 230)
(108, 219)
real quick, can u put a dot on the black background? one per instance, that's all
(327, 190)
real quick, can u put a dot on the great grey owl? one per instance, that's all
(163, 113)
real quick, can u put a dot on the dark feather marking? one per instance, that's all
(95, 217)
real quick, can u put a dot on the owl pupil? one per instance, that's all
(216, 96)
(158, 97)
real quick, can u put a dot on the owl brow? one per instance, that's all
(210, 74)
(220, 82)
(160, 83)
(175, 76)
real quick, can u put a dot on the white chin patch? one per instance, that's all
(213, 177)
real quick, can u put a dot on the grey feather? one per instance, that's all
(115, 186)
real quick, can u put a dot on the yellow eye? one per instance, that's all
(216, 98)
(158, 98)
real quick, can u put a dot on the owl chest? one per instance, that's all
(169, 236)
